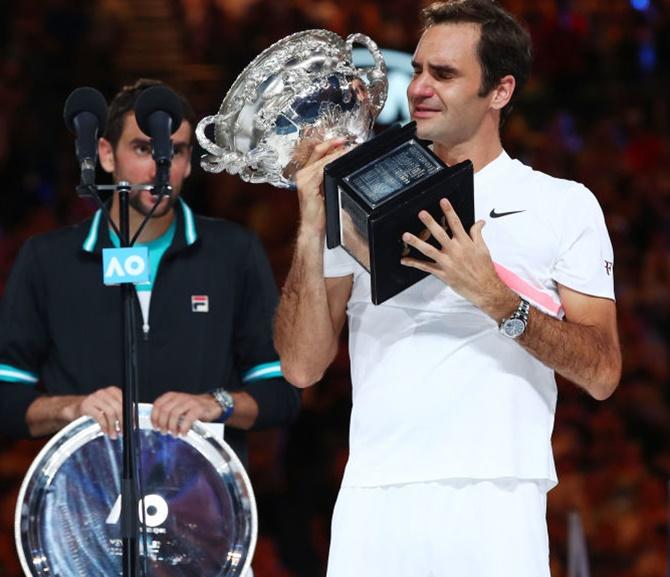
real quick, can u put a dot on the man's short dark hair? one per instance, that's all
(504, 46)
(124, 102)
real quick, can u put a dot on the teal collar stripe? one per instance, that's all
(262, 372)
(92, 238)
(189, 223)
(14, 375)
(190, 231)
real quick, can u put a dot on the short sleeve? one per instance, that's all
(337, 263)
(585, 261)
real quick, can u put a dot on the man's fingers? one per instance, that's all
(316, 168)
(323, 149)
(175, 417)
(439, 234)
(105, 417)
(423, 247)
(416, 263)
(105, 408)
(160, 415)
(186, 422)
(454, 222)
(476, 231)
(168, 411)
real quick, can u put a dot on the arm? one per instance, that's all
(26, 409)
(312, 310)
(48, 414)
(176, 412)
(583, 348)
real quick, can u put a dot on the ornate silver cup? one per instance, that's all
(301, 90)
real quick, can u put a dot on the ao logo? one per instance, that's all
(400, 73)
(125, 265)
(132, 266)
(155, 511)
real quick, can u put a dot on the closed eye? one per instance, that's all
(444, 72)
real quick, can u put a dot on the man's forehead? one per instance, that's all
(132, 131)
(441, 44)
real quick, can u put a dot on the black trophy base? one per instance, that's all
(374, 195)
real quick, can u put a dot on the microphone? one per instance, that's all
(159, 113)
(85, 112)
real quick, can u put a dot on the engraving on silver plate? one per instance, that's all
(301, 90)
(199, 508)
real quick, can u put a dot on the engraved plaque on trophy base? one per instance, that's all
(374, 194)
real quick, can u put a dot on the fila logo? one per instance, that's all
(200, 303)
(609, 265)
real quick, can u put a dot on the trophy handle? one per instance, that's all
(219, 158)
(376, 76)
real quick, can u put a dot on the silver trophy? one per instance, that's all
(198, 515)
(302, 90)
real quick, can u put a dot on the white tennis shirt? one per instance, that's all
(438, 392)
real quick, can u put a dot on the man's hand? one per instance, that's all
(105, 406)
(175, 412)
(462, 261)
(309, 180)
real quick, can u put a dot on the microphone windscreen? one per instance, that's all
(85, 99)
(158, 99)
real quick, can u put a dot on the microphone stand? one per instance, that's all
(131, 495)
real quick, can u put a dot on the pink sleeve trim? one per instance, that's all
(524, 289)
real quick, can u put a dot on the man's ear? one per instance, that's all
(503, 92)
(106, 155)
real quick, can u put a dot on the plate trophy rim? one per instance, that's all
(91, 431)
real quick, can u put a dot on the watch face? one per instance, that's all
(513, 327)
(224, 398)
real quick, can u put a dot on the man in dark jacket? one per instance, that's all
(205, 343)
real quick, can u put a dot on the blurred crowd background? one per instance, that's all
(597, 110)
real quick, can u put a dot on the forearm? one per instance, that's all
(245, 413)
(46, 415)
(305, 337)
(580, 353)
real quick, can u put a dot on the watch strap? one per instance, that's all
(225, 401)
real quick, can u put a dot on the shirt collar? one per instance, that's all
(185, 235)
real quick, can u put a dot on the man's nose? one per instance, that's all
(420, 87)
(151, 170)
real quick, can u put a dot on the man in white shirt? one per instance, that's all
(453, 379)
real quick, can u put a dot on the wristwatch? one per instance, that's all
(514, 325)
(226, 401)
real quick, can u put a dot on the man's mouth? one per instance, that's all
(423, 111)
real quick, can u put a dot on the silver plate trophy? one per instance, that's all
(301, 90)
(199, 509)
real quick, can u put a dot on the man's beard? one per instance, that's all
(135, 201)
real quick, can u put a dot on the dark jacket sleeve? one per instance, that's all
(23, 342)
(255, 355)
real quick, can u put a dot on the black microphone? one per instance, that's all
(159, 113)
(85, 113)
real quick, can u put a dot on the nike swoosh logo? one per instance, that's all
(494, 214)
